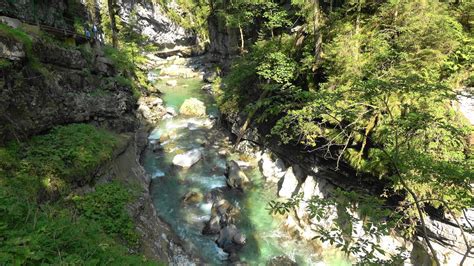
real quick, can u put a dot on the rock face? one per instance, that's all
(188, 158)
(223, 42)
(49, 12)
(193, 107)
(291, 182)
(59, 91)
(272, 170)
(153, 23)
(321, 182)
(236, 178)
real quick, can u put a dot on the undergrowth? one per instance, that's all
(41, 224)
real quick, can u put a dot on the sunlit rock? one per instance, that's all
(192, 197)
(291, 180)
(272, 170)
(307, 188)
(236, 178)
(193, 107)
(188, 158)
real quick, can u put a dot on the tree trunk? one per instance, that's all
(318, 38)
(242, 41)
(113, 25)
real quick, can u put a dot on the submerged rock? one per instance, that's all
(188, 158)
(193, 107)
(236, 178)
(281, 260)
(172, 83)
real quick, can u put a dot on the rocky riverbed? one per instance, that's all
(215, 198)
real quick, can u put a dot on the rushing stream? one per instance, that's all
(266, 237)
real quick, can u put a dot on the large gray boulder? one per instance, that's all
(188, 158)
(236, 178)
(231, 239)
(193, 107)
(222, 214)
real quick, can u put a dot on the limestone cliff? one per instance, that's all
(62, 87)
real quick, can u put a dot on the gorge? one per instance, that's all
(229, 133)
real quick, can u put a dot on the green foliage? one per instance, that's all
(4, 64)
(37, 222)
(277, 67)
(106, 206)
(376, 222)
(378, 98)
(68, 154)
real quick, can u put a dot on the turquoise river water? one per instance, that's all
(265, 234)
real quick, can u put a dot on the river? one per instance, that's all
(266, 236)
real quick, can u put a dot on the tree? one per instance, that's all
(111, 4)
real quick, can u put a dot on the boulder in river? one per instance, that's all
(188, 158)
(171, 111)
(231, 239)
(193, 107)
(192, 197)
(236, 178)
(212, 227)
(172, 83)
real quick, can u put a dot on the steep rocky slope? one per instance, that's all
(45, 83)
(62, 88)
